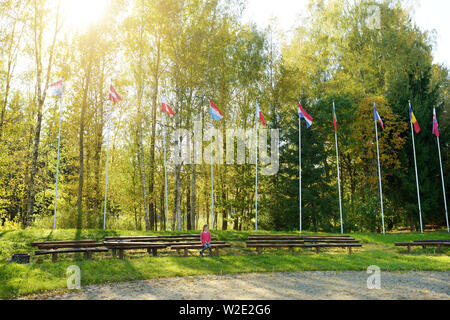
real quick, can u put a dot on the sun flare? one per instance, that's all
(79, 14)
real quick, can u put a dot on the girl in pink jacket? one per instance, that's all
(205, 238)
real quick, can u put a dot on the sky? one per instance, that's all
(428, 15)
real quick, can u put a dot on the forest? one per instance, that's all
(189, 51)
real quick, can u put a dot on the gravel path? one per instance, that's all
(272, 286)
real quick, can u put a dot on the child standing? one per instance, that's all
(205, 238)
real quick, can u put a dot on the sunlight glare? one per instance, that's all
(79, 14)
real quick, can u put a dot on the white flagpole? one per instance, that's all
(338, 172)
(417, 176)
(107, 162)
(165, 173)
(212, 175)
(379, 173)
(57, 165)
(443, 185)
(256, 197)
(300, 167)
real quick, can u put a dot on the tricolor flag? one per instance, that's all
(214, 111)
(435, 124)
(334, 120)
(377, 117)
(259, 115)
(303, 114)
(55, 89)
(166, 108)
(414, 120)
(113, 95)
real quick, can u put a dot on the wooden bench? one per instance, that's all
(69, 245)
(155, 239)
(61, 242)
(291, 244)
(439, 244)
(318, 246)
(199, 246)
(87, 252)
(123, 246)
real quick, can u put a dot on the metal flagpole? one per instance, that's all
(256, 198)
(300, 167)
(379, 173)
(417, 176)
(107, 162)
(57, 165)
(165, 172)
(338, 172)
(443, 185)
(212, 176)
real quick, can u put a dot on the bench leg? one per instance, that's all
(154, 252)
(186, 252)
(88, 255)
(54, 256)
(291, 250)
(439, 248)
(317, 249)
(409, 249)
(217, 251)
(114, 252)
(120, 254)
(258, 250)
(349, 250)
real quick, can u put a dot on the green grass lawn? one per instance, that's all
(42, 275)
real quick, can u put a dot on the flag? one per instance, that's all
(166, 108)
(334, 120)
(414, 120)
(303, 114)
(259, 115)
(377, 117)
(55, 89)
(215, 112)
(435, 124)
(113, 96)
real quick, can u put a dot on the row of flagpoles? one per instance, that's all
(56, 89)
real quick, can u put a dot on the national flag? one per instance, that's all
(414, 120)
(55, 89)
(166, 108)
(334, 120)
(435, 124)
(377, 117)
(113, 95)
(303, 114)
(259, 115)
(214, 111)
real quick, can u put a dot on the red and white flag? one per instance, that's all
(166, 108)
(113, 95)
(259, 114)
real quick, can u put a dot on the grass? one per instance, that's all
(42, 275)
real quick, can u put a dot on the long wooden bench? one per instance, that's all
(155, 239)
(87, 252)
(69, 245)
(38, 244)
(187, 247)
(123, 246)
(424, 244)
(318, 246)
(291, 242)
